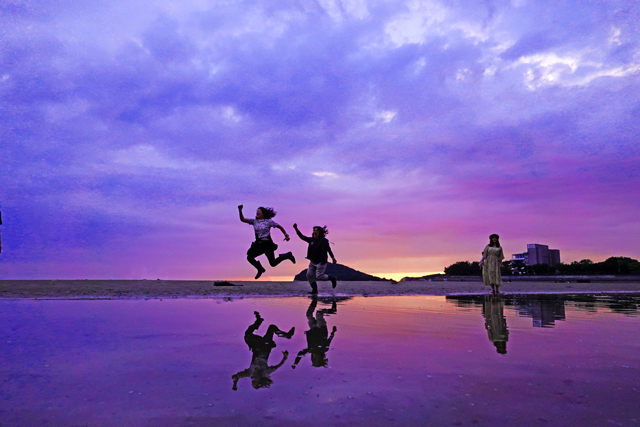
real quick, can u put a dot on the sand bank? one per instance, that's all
(71, 289)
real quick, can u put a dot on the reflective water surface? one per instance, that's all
(526, 360)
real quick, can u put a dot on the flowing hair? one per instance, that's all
(322, 230)
(267, 213)
(497, 244)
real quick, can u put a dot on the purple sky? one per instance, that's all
(131, 130)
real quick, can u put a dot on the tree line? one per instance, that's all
(610, 266)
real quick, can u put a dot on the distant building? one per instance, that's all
(538, 254)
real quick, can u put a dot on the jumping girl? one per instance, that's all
(259, 371)
(263, 244)
(317, 256)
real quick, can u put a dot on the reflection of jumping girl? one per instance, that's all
(491, 262)
(259, 371)
(318, 338)
(317, 256)
(263, 244)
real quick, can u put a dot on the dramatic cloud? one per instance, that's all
(130, 131)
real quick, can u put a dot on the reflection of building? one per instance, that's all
(538, 254)
(543, 310)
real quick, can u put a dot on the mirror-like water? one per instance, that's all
(415, 360)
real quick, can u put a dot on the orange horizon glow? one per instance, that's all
(388, 275)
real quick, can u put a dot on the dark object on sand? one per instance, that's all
(224, 283)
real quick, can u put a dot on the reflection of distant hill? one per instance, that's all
(545, 309)
(333, 298)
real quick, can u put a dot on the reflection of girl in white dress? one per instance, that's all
(491, 262)
(495, 322)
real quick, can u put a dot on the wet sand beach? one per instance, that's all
(80, 289)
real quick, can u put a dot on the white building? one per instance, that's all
(538, 254)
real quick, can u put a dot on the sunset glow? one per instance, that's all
(131, 130)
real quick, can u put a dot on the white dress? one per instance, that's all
(491, 265)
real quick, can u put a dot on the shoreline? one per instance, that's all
(134, 289)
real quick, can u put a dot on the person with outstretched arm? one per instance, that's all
(318, 338)
(318, 254)
(262, 225)
(260, 371)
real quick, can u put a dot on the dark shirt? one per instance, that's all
(317, 250)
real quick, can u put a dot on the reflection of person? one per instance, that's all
(491, 262)
(259, 371)
(263, 244)
(318, 338)
(495, 322)
(317, 256)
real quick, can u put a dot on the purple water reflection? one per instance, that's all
(393, 361)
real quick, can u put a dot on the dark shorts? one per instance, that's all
(260, 247)
(258, 343)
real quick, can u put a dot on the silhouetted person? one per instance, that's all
(318, 339)
(259, 371)
(495, 322)
(317, 254)
(262, 225)
(491, 262)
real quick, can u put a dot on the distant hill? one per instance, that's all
(343, 273)
(434, 277)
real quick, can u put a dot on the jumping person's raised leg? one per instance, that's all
(273, 261)
(321, 275)
(334, 281)
(254, 251)
(257, 265)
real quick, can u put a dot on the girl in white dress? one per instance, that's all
(491, 262)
